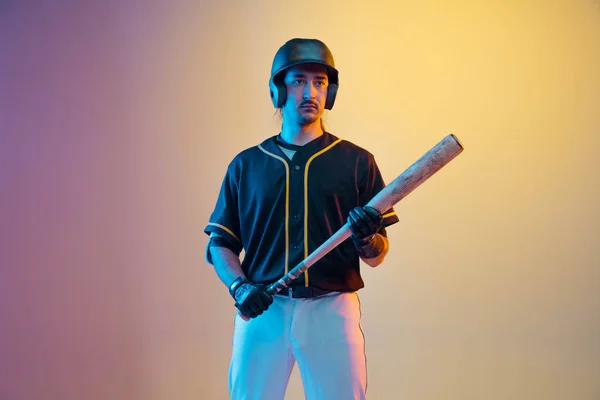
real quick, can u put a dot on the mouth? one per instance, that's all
(309, 107)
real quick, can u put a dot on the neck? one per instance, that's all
(295, 133)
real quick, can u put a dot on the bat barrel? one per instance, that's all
(421, 170)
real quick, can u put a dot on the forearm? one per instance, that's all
(226, 263)
(374, 252)
(250, 299)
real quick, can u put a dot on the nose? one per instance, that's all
(310, 92)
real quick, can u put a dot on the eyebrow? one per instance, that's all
(299, 75)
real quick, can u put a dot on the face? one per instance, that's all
(306, 93)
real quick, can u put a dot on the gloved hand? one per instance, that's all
(251, 299)
(364, 223)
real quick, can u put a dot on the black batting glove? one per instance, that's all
(251, 299)
(364, 223)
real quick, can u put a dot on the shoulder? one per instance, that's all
(354, 149)
(247, 155)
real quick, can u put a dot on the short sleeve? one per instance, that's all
(373, 183)
(224, 219)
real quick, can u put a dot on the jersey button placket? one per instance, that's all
(296, 213)
(297, 216)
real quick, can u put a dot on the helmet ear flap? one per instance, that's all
(331, 94)
(278, 93)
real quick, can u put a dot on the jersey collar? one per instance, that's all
(302, 152)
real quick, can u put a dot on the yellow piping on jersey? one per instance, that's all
(287, 204)
(389, 214)
(306, 202)
(226, 229)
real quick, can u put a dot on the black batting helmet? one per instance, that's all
(302, 51)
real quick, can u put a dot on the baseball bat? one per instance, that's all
(420, 171)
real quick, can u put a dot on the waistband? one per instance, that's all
(302, 292)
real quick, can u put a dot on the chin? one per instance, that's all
(307, 119)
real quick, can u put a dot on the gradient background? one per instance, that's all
(117, 121)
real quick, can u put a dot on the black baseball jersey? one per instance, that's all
(280, 210)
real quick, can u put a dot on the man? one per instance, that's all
(278, 202)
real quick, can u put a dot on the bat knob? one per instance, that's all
(244, 317)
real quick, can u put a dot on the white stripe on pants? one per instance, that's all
(322, 334)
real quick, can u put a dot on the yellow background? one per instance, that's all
(117, 121)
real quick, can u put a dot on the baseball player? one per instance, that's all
(279, 201)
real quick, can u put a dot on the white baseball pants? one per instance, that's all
(322, 334)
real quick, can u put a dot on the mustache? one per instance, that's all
(309, 103)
